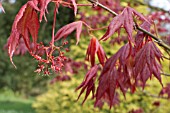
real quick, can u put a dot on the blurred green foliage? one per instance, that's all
(11, 102)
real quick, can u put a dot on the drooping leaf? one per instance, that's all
(43, 8)
(147, 62)
(12, 44)
(89, 82)
(68, 29)
(34, 27)
(29, 24)
(91, 51)
(15, 35)
(124, 19)
(114, 75)
(95, 48)
(34, 4)
(139, 38)
(25, 23)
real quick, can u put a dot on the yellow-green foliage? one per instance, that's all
(61, 98)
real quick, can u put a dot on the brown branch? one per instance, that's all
(158, 40)
(70, 4)
(165, 74)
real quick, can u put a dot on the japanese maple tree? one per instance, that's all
(137, 61)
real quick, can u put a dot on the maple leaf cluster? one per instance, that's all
(136, 62)
(26, 25)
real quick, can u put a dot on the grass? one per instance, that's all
(12, 103)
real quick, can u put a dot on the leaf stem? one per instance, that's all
(70, 4)
(158, 40)
(54, 24)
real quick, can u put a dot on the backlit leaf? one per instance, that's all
(124, 19)
(25, 23)
(43, 8)
(68, 29)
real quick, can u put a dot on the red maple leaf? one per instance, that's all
(147, 62)
(88, 83)
(139, 38)
(68, 29)
(25, 23)
(124, 19)
(114, 75)
(93, 48)
(43, 7)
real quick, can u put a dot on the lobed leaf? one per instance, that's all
(68, 29)
(124, 19)
(43, 8)
(88, 83)
(114, 76)
(139, 38)
(95, 48)
(147, 62)
(25, 23)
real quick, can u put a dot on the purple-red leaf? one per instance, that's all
(29, 24)
(89, 82)
(68, 29)
(25, 23)
(15, 35)
(124, 19)
(140, 35)
(43, 8)
(91, 51)
(93, 48)
(147, 62)
(114, 75)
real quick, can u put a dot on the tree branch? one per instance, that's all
(158, 40)
(165, 74)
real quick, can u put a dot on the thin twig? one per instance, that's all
(70, 4)
(165, 74)
(158, 40)
(166, 58)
